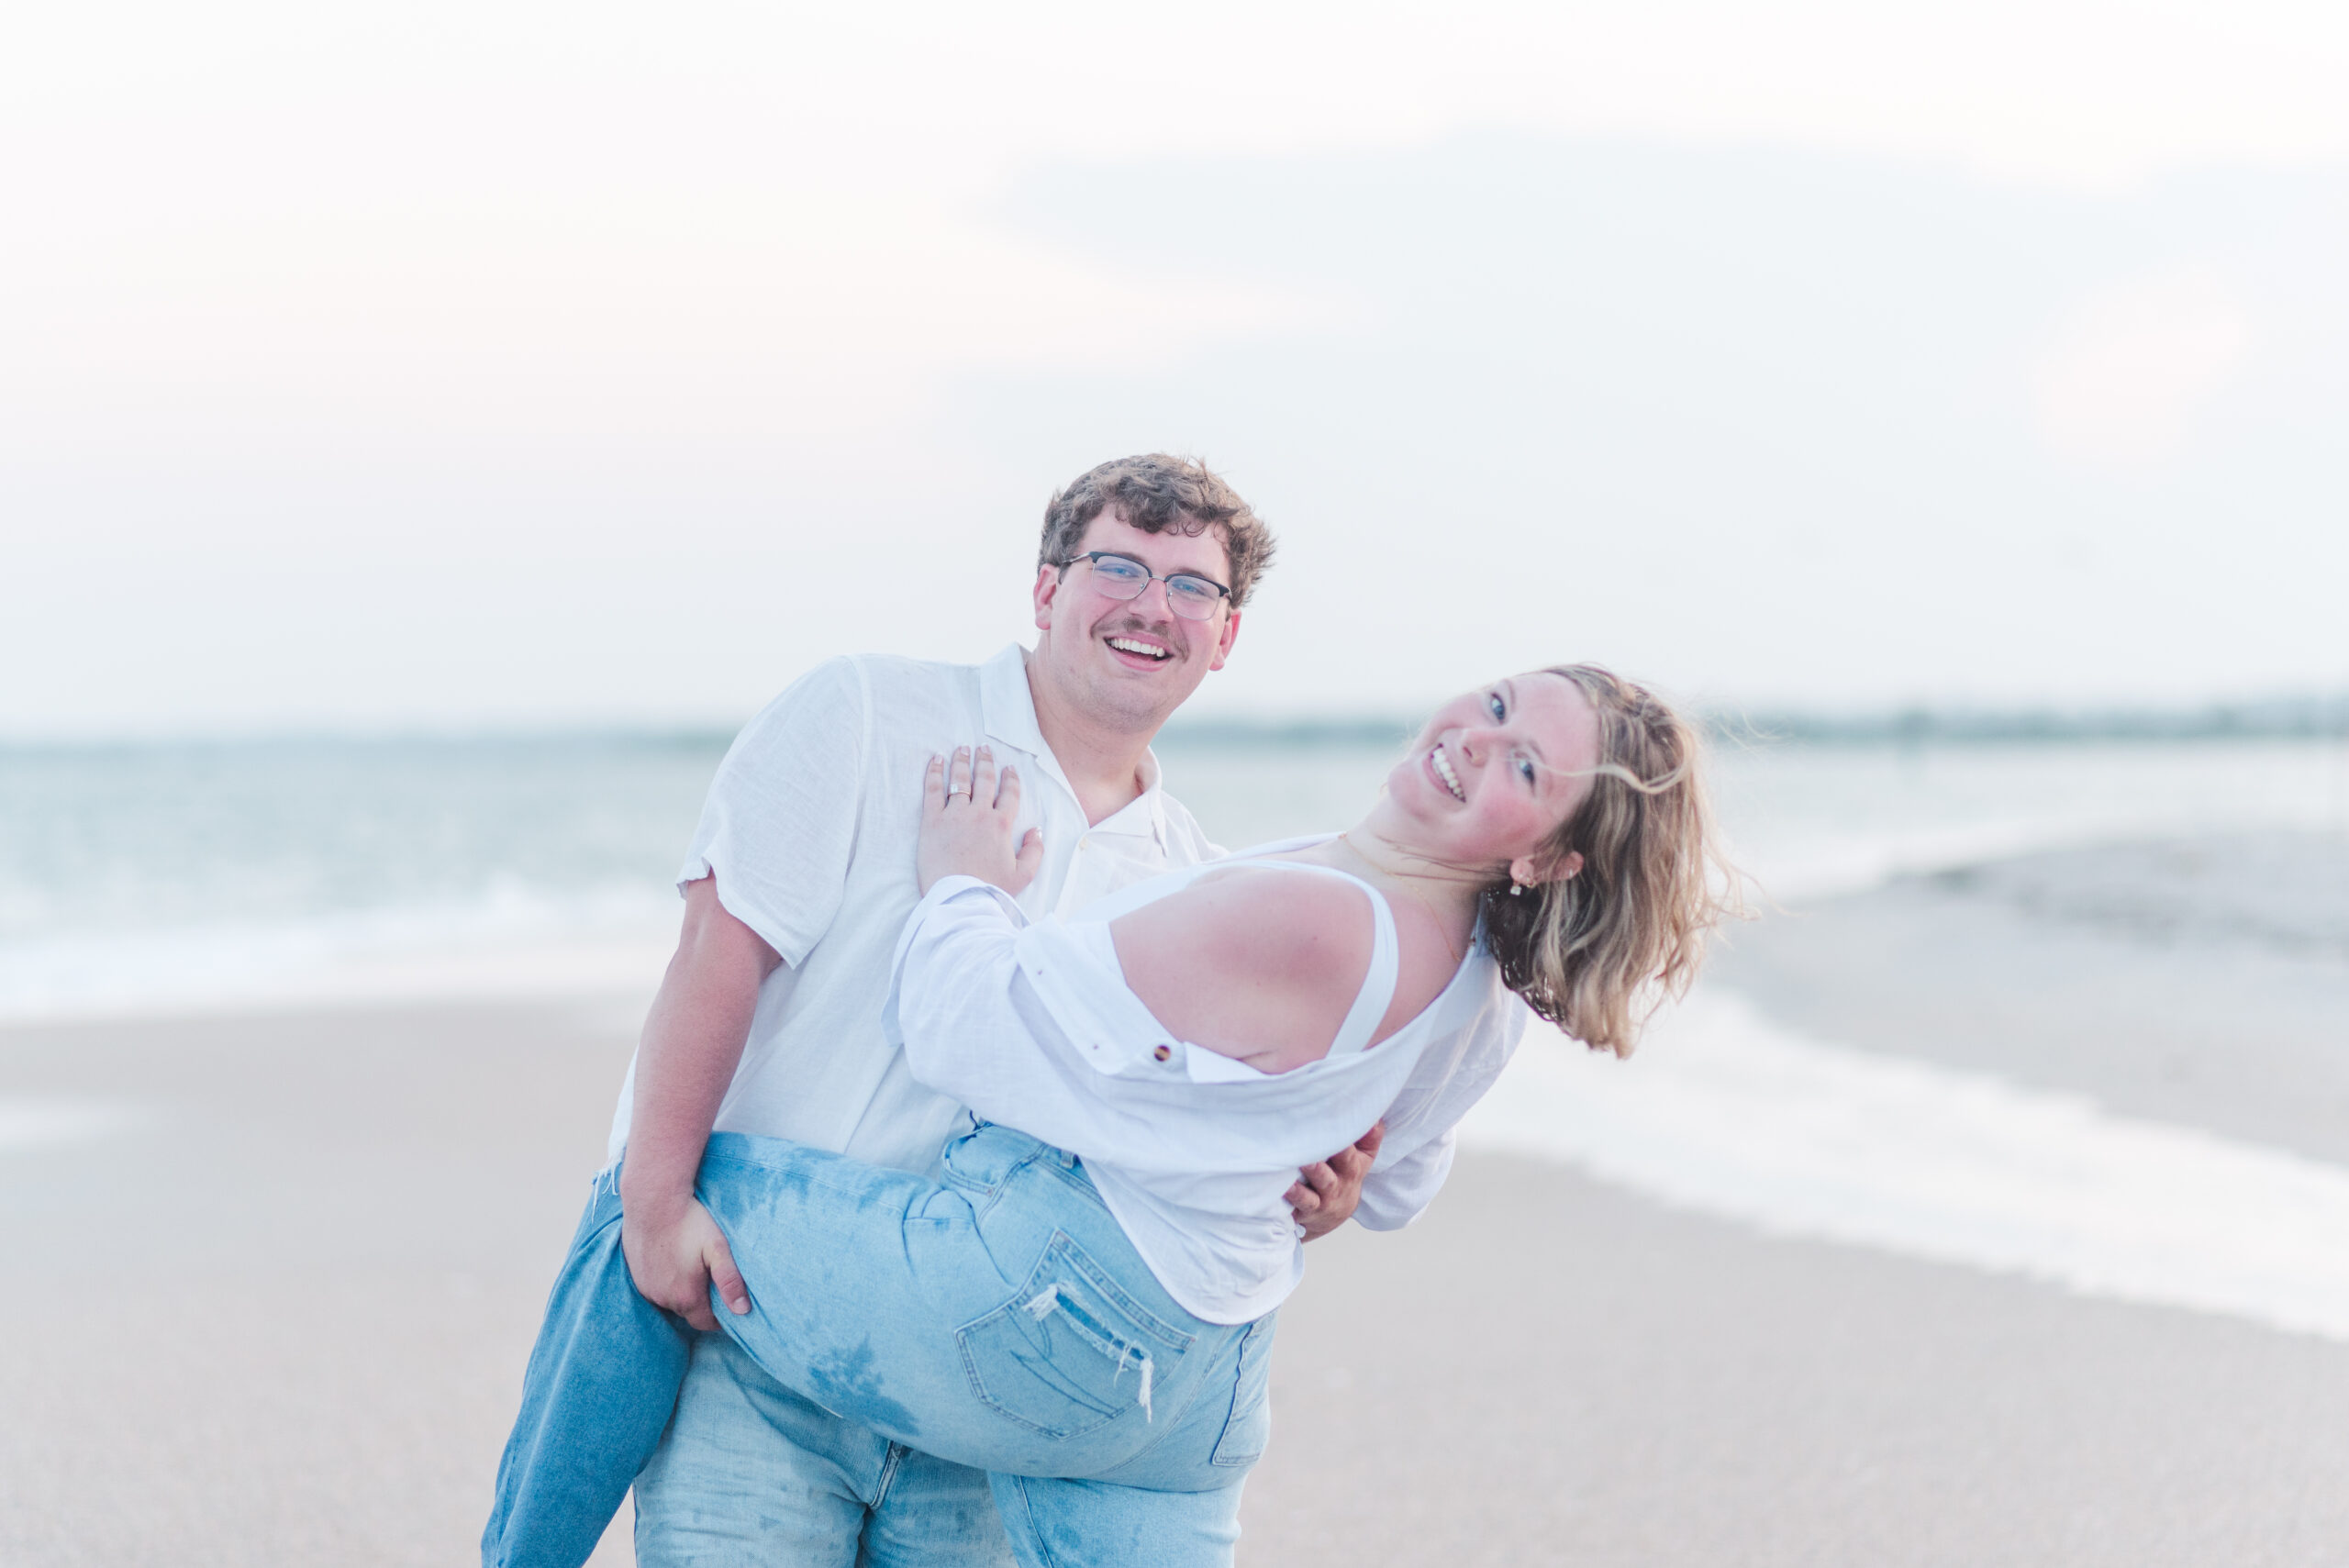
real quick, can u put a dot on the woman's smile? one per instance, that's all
(1440, 764)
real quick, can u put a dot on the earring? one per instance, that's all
(1516, 889)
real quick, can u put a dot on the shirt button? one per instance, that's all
(1161, 1053)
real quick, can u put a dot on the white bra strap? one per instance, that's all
(1377, 992)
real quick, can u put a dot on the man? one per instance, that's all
(768, 1022)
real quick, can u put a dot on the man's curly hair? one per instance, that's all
(1156, 492)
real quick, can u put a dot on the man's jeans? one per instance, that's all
(999, 1319)
(751, 1474)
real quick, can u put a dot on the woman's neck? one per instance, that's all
(1447, 891)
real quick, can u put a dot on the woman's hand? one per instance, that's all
(967, 818)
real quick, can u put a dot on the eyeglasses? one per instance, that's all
(1191, 596)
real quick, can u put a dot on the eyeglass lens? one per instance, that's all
(1193, 599)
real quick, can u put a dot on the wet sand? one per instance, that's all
(1547, 1371)
(282, 1314)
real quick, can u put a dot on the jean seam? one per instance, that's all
(1045, 1557)
(889, 1477)
(1234, 1414)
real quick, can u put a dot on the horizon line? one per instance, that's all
(2267, 718)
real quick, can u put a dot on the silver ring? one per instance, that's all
(951, 794)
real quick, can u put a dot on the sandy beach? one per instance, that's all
(269, 1279)
(281, 1315)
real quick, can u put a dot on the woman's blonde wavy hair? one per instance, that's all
(1595, 953)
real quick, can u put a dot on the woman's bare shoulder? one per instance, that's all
(1249, 911)
(1252, 961)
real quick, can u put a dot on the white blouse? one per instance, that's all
(1034, 1026)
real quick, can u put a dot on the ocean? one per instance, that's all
(145, 877)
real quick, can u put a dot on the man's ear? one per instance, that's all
(1048, 587)
(1223, 644)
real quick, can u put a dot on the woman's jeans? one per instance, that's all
(997, 1317)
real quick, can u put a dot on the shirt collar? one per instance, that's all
(1008, 706)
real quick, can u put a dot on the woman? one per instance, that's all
(1082, 1305)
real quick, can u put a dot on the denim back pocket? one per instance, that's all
(1071, 1351)
(1250, 1425)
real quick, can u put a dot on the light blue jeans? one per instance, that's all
(751, 1474)
(996, 1319)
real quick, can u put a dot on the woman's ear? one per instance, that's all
(1522, 871)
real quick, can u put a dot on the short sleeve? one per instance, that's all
(779, 825)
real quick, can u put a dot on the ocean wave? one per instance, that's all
(510, 943)
(1725, 1112)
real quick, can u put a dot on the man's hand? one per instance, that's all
(674, 1258)
(1325, 1195)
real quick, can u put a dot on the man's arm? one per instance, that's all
(693, 1042)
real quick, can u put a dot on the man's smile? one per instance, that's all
(1141, 653)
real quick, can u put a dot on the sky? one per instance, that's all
(462, 366)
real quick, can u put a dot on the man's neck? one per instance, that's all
(1103, 766)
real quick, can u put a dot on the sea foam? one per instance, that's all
(1727, 1113)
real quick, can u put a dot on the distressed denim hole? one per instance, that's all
(1065, 1356)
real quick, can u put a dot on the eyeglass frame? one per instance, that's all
(1223, 593)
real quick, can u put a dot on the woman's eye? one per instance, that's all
(1494, 705)
(1525, 769)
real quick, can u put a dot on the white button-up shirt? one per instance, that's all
(1034, 1026)
(810, 830)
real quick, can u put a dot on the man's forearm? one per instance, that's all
(682, 1074)
(692, 1043)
